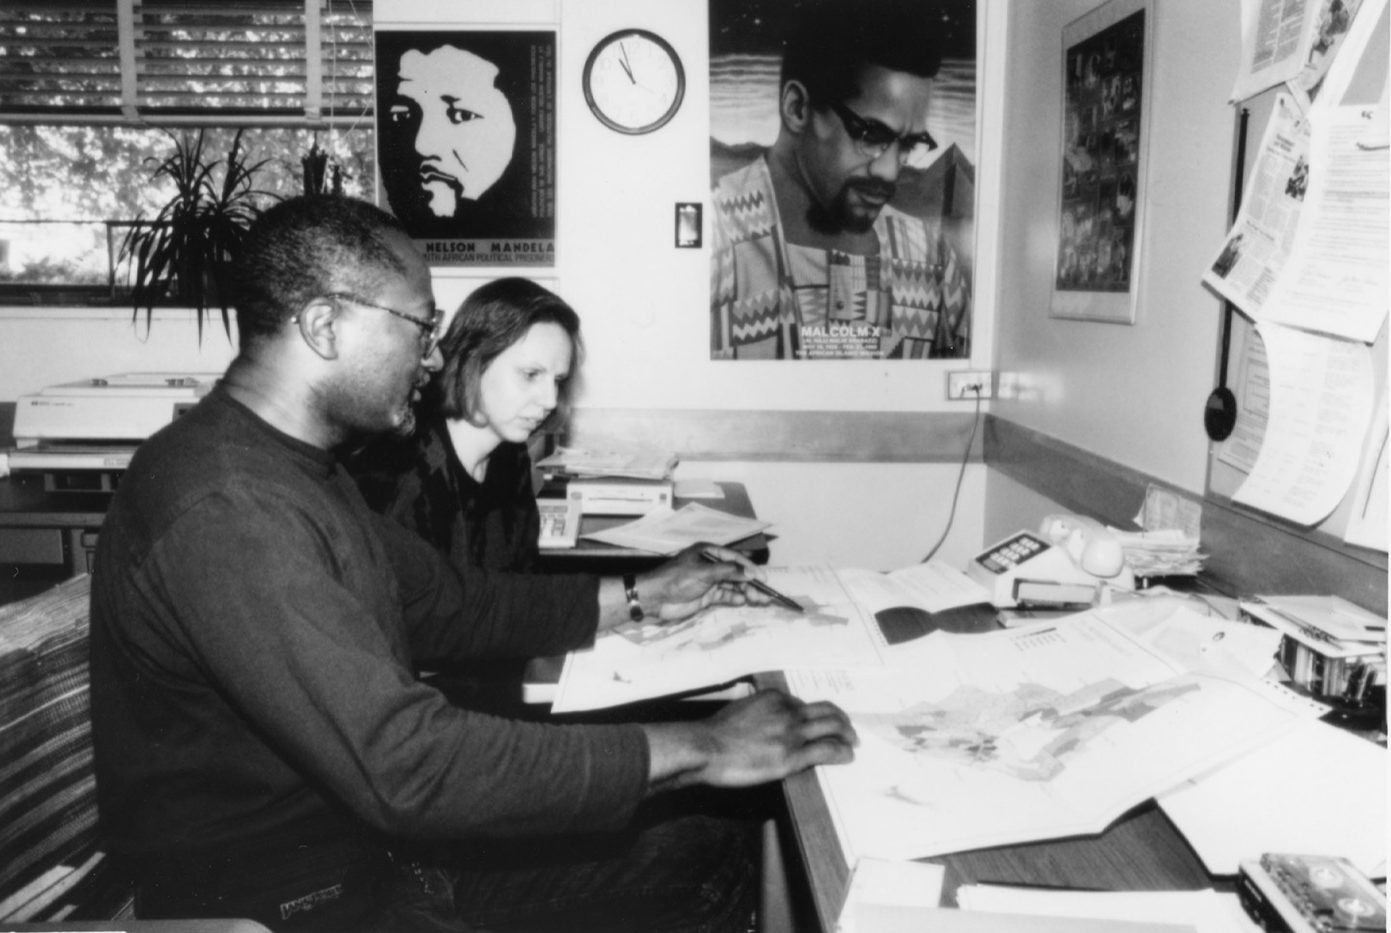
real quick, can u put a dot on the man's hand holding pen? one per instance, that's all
(701, 576)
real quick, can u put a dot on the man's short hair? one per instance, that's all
(834, 39)
(492, 318)
(304, 248)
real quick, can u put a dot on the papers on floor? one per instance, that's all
(1201, 911)
(666, 531)
(1318, 790)
(1043, 731)
(639, 662)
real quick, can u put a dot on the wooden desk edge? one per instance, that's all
(818, 846)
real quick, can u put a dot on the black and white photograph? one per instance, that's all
(466, 143)
(842, 153)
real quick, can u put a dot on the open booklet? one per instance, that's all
(837, 630)
(971, 741)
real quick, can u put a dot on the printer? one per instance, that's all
(80, 435)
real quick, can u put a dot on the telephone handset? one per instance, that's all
(1065, 563)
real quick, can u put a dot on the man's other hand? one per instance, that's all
(761, 738)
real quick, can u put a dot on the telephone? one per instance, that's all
(560, 522)
(1069, 561)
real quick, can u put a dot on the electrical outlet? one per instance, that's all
(970, 384)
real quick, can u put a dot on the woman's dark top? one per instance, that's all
(421, 485)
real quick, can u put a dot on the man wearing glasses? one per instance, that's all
(810, 259)
(263, 745)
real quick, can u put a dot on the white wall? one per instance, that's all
(1132, 394)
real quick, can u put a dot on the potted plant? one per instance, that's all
(185, 253)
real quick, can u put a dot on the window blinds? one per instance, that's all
(161, 62)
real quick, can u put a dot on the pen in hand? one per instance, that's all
(784, 601)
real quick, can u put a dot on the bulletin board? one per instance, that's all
(1360, 517)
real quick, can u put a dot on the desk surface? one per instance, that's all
(24, 503)
(1141, 851)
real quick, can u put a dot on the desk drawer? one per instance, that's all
(32, 546)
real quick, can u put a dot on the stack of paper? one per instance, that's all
(1319, 790)
(1322, 621)
(1163, 553)
(1331, 647)
(631, 464)
(1201, 911)
(666, 531)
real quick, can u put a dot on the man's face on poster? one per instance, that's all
(448, 106)
(849, 189)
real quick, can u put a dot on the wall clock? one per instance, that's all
(633, 81)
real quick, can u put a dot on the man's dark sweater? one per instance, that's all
(256, 634)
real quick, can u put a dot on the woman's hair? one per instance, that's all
(489, 321)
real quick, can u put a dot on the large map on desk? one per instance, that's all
(1041, 732)
(720, 645)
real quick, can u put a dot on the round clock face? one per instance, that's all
(633, 81)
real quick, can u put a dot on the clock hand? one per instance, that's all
(624, 62)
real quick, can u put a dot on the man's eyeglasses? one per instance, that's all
(429, 328)
(873, 139)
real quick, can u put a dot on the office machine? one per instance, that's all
(560, 522)
(617, 495)
(81, 435)
(1068, 562)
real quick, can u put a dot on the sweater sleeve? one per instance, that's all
(300, 643)
(508, 615)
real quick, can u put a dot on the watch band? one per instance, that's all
(630, 593)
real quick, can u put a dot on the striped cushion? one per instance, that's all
(50, 867)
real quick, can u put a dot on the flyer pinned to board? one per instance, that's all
(1320, 405)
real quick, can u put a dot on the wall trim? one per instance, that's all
(786, 436)
(1248, 552)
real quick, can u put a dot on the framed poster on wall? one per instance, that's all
(466, 143)
(842, 217)
(1106, 62)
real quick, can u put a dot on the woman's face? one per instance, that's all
(521, 386)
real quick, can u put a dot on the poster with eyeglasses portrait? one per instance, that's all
(1103, 108)
(466, 143)
(842, 211)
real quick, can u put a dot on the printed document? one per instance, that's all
(666, 531)
(1319, 790)
(1275, 39)
(1335, 278)
(1203, 911)
(1044, 731)
(1320, 406)
(1256, 248)
(648, 660)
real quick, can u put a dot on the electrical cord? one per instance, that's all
(960, 476)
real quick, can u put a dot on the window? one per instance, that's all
(93, 91)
